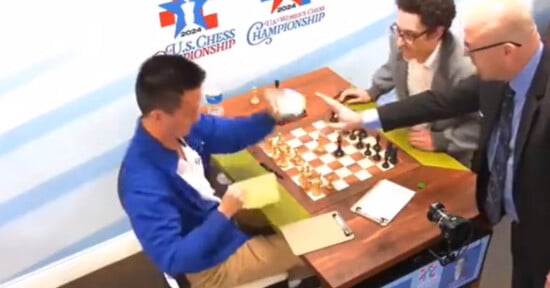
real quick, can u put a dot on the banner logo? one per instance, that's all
(264, 31)
(188, 19)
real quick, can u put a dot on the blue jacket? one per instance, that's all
(180, 231)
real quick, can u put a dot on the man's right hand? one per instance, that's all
(232, 201)
(347, 118)
(354, 96)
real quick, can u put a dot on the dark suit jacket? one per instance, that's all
(531, 239)
(457, 136)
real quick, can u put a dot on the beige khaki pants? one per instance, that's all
(260, 257)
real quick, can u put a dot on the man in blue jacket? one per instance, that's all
(182, 226)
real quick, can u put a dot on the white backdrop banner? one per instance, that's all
(68, 108)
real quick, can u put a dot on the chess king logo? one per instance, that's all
(187, 19)
(264, 31)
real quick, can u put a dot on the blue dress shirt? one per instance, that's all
(520, 84)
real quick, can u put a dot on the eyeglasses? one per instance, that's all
(470, 51)
(408, 36)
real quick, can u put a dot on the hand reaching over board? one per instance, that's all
(347, 118)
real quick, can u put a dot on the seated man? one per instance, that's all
(425, 55)
(182, 226)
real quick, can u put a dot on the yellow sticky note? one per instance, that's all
(259, 191)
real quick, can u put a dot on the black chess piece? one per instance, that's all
(276, 83)
(367, 150)
(339, 152)
(353, 135)
(360, 144)
(377, 146)
(377, 156)
(363, 133)
(389, 147)
(386, 163)
(393, 156)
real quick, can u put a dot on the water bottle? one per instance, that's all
(214, 100)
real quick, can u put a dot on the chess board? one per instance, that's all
(313, 144)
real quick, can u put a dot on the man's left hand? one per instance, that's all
(422, 139)
(269, 97)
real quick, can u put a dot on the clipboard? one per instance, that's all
(383, 202)
(316, 233)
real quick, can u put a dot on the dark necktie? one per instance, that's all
(497, 180)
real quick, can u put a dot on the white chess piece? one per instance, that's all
(188, 9)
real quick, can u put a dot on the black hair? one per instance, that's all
(433, 13)
(163, 80)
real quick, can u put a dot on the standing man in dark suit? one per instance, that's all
(512, 92)
(424, 55)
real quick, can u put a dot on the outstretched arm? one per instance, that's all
(231, 135)
(430, 106)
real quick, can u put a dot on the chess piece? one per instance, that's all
(377, 146)
(281, 158)
(367, 152)
(285, 148)
(339, 152)
(315, 185)
(254, 100)
(360, 145)
(296, 159)
(329, 186)
(276, 140)
(268, 145)
(305, 173)
(276, 82)
(376, 156)
(386, 164)
(363, 133)
(389, 147)
(353, 135)
(393, 156)
(320, 149)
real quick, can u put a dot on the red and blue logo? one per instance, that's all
(188, 17)
(186, 13)
(264, 31)
(280, 5)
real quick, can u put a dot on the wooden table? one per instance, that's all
(374, 249)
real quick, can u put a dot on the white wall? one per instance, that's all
(67, 104)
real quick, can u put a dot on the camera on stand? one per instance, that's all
(456, 232)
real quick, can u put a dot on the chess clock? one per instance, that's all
(291, 105)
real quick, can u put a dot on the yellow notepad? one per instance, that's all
(259, 191)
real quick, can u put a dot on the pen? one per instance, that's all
(342, 224)
(380, 220)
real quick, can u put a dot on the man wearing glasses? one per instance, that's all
(425, 55)
(512, 92)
